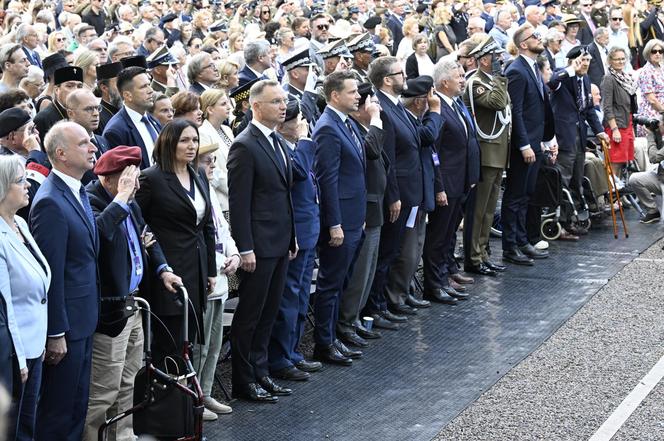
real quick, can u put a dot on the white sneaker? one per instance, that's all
(542, 245)
(215, 406)
(209, 415)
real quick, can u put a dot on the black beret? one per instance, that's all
(11, 119)
(108, 71)
(69, 73)
(292, 110)
(419, 86)
(136, 60)
(365, 90)
(576, 52)
(167, 18)
(372, 22)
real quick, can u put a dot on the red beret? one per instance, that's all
(115, 160)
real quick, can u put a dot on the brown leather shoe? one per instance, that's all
(457, 286)
(458, 278)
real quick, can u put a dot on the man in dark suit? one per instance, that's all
(367, 117)
(66, 80)
(532, 122)
(395, 23)
(83, 109)
(588, 26)
(599, 52)
(257, 59)
(340, 169)
(572, 108)
(29, 38)
(405, 184)
(124, 273)
(63, 225)
(652, 26)
(286, 360)
(457, 172)
(262, 225)
(202, 73)
(133, 125)
(107, 87)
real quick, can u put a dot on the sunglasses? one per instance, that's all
(535, 35)
(323, 27)
(60, 40)
(616, 18)
(265, 12)
(657, 51)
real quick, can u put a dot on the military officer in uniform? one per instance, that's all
(362, 47)
(66, 80)
(159, 65)
(111, 101)
(299, 67)
(489, 103)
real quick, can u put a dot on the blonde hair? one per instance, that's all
(51, 40)
(209, 98)
(225, 68)
(410, 27)
(86, 59)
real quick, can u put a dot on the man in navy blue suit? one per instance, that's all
(29, 38)
(257, 59)
(572, 108)
(340, 169)
(405, 182)
(286, 361)
(457, 172)
(395, 23)
(63, 225)
(532, 122)
(133, 125)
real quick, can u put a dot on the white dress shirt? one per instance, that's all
(73, 184)
(142, 130)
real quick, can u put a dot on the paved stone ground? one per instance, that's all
(570, 385)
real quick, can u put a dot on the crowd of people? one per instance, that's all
(236, 148)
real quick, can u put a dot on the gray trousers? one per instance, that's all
(645, 184)
(207, 355)
(404, 266)
(356, 294)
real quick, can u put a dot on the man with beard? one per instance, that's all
(530, 108)
(66, 80)
(110, 97)
(320, 26)
(132, 125)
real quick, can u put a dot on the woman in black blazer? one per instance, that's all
(176, 205)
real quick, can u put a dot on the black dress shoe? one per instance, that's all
(309, 366)
(272, 387)
(351, 338)
(366, 333)
(533, 252)
(291, 373)
(440, 296)
(330, 354)
(454, 293)
(482, 269)
(417, 303)
(514, 255)
(402, 309)
(495, 266)
(254, 392)
(393, 317)
(382, 323)
(346, 351)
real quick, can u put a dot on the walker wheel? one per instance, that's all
(551, 229)
(585, 224)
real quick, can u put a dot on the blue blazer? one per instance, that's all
(428, 169)
(35, 60)
(569, 120)
(405, 181)
(340, 170)
(121, 130)
(24, 282)
(304, 193)
(245, 75)
(196, 88)
(70, 245)
(530, 107)
(396, 28)
(458, 153)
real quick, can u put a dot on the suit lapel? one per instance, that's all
(344, 129)
(175, 185)
(453, 116)
(25, 253)
(387, 102)
(268, 149)
(136, 138)
(532, 76)
(78, 207)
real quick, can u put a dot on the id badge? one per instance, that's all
(219, 248)
(139, 267)
(436, 161)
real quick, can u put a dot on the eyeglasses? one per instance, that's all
(585, 5)
(535, 35)
(322, 27)
(159, 3)
(265, 12)
(618, 60)
(276, 101)
(196, 46)
(60, 40)
(22, 180)
(395, 73)
(127, 32)
(91, 109)
(179, 2)
(211, 65)
(657, 51)
(616, 19)
(209, 160)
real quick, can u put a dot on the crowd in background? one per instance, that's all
(236, 148)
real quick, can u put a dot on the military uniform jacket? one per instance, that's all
(490, 107)
(160, 88)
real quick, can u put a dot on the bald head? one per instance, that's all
(83, 108)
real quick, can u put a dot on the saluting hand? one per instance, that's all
(434, 101)
(128, 183)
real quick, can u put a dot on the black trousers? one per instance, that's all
(439, 244)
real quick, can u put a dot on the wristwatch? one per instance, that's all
(166, 269)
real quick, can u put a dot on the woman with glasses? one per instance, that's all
(619, 104)
(651, 82)
(57, 42)
(25, 277)
(265, 15)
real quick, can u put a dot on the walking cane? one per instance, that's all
(611, 179)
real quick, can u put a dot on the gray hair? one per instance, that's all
(9, 165)
(257, 89)
(553, 34)
(114, 47)
(614, 49)
(254, 50)
(600, 31)
(57, 137)
(443, 70)
(196, 65)
(62, 18)
(34, 74)
(23, 31)
(649, 47)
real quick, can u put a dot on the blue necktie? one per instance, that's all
(88, 209)
(354, 136)
(148, 124)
